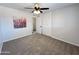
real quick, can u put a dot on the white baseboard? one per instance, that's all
(65, 41)
(6, 40)
(1, 44)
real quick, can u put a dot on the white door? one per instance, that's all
(39, 26)
(44, 24)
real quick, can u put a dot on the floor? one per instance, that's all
(38, 44)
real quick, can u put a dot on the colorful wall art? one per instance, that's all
(19, 22)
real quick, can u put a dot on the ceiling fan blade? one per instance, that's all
(27, 8)
(44, 8)
(41, 11)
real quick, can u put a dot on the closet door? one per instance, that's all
(39, 26)
(46, 24)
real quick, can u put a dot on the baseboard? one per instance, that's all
(65, 41)
(16, 38)
(1, 44)
(61, 39)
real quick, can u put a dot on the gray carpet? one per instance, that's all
(38, 44)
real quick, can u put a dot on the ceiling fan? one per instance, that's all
(37, 9)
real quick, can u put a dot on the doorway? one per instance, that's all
(34, 25)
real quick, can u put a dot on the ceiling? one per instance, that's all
(20, 6)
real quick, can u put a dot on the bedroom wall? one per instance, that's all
(0, 38)
(62, 24)
(0, 33)
(65, 24)
(6, 22)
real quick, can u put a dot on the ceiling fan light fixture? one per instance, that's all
(37, 12)
(37, 9)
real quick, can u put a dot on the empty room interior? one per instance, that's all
(39, 28)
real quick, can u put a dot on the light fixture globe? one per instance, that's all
(36, 12)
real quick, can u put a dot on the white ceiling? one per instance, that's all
(20, 6)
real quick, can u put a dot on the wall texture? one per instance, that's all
(6, 22)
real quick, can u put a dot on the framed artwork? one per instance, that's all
(19, 22)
